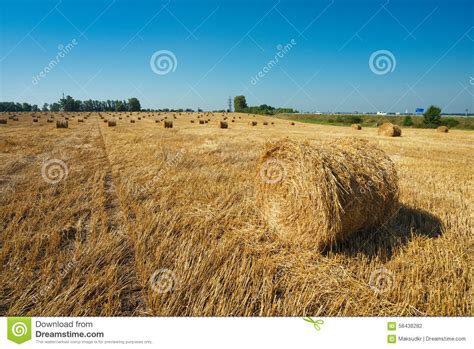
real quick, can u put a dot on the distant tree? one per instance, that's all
(240, 103)
(407, 121)
(432, 116)
(55, 107)
(67, 104)
(134, 104)
(119, 106)
(34, 107)
(26, 107)
(45, 107)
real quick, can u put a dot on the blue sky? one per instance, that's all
(220, 45)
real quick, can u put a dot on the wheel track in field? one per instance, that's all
(117, 224)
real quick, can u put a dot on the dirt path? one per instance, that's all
(117, 224)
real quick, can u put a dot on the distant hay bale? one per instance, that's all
(15, 118)
(120, 118)
(62, 124)
(273, 123)
(232, 120)
(202, 122)
(390, 130)
(3, 121)
(168, 124)
(132, 121)
(80, 120)
(223, 124)
(35, 120)
(112, 123)
(265, 123)
(191, 121)
(253, 123)
(443, 129)
(49, 120)
(292, 124)
(321, 194)
(157, 121)
(139, 118)
(356, 126)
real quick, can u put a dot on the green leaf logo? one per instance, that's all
(19, 329)
(316, 323)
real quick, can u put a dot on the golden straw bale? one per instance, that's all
(321, 194)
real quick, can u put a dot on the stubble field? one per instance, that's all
(139, 220)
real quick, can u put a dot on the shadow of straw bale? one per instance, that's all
(406, 224)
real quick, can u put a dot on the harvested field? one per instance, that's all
(141, 220)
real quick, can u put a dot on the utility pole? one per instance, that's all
(230, 104)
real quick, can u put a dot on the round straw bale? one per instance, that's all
(49, 120)
(253, 123)
(3, 121)
(321, 194)
(35, 120)
(62, 124)
(390, 130)
(168, 124)
(223, 124)
(112, 123)
(80, 120)
(201, 122)
(356, 126)
(292, 124)
(132, 121)
(443, 129)
(265, 123)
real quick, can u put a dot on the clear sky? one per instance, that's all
(220, 46)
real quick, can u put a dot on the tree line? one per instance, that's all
(71, 104)
(240, 106)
